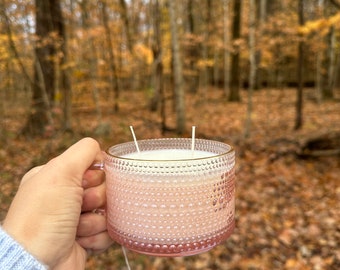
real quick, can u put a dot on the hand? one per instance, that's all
(52, 213)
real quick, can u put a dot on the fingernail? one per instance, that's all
(100, 211)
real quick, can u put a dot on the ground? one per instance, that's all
(287, 207)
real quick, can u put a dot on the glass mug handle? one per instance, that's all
(98, 165)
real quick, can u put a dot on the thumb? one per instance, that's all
(73, 163)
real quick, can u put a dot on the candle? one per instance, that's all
(169, 197)
(169, 154)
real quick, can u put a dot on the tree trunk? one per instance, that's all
(252, 61)
(299, 101)
(48, 21)
(157, 66)
(205, 54)
(131, 25)
(216, 54)
(262, 19)
(63, 80)
(318, 84)
(336, 55)
(332, 62)
(192, 51)
(329, 58)
(177, 69)
(226, 54)
(234, 94)
(125, 17)
(326, 91)
(115, 89)
(89, 55)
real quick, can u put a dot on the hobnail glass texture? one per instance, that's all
(170, 207)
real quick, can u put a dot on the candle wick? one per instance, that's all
(134, 138)
(193, 141)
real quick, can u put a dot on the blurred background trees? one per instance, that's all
(58, 53)
(234, 68)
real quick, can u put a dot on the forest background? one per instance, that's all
(261, 75)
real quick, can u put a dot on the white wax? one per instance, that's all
(169, 154)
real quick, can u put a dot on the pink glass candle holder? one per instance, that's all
(168, 200)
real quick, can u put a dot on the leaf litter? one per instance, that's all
(287, 208)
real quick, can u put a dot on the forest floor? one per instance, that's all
(287, 207)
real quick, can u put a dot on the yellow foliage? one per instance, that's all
(266, 59)
(79, 74)
(320, 25)
(335, 20)
(312, 26)
(4, 52)
(205, 63)
(143, 53)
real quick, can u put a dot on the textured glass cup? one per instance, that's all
(173, 207)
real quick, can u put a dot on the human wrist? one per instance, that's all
(15, 256)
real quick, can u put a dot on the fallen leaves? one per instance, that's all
(287, 209)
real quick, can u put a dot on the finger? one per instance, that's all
(93, 198)
(91, 224)
(98, 242)
(75, 161)
(93, 178)
(95, 252)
